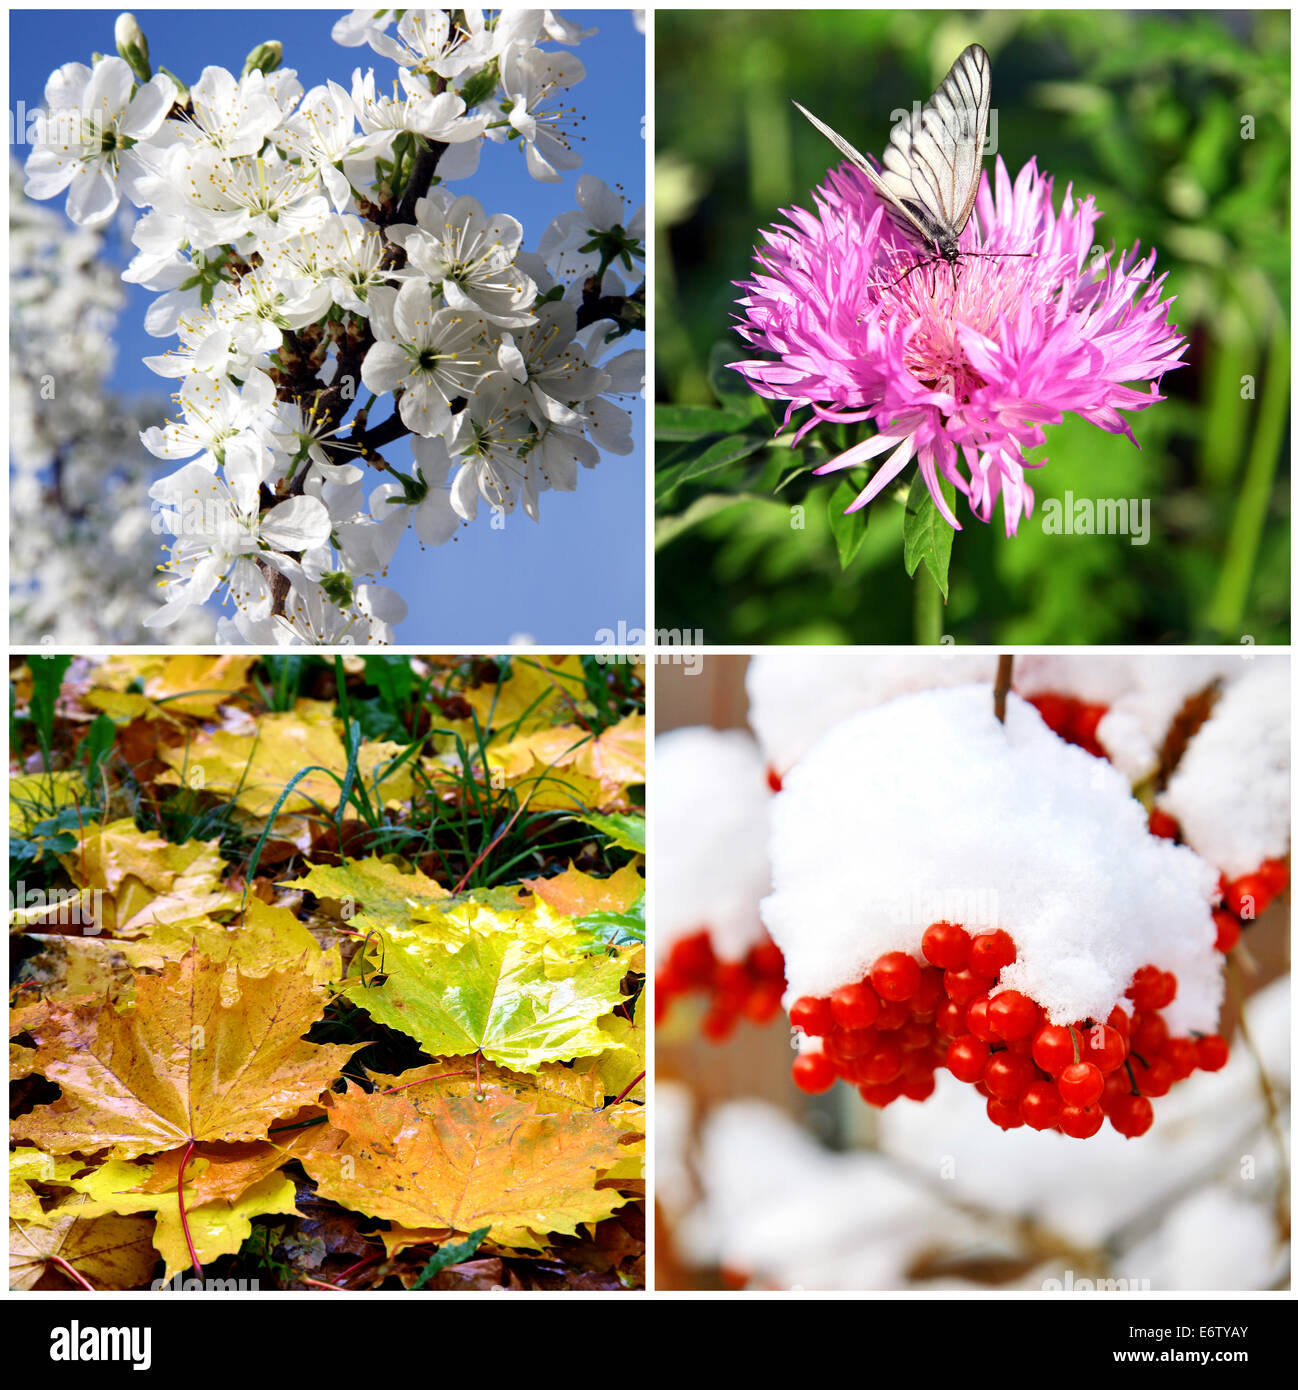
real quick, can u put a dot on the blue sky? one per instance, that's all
(582, 568)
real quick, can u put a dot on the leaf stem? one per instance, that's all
(628, 1090)
(184, 1219)
(1004, 680)
(72, 1273)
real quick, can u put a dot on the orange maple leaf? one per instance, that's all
(181, 1065)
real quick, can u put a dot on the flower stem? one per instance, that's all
(1226, 612)
(928, 608)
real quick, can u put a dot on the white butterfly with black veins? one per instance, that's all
(933, 163)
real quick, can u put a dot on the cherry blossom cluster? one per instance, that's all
(331, 293)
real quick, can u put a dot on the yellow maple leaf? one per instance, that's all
(181, 1064)
(578, 894)
(189, 685)
(113, 1252)
(441, 1154)
(254, 768)
(216, 1228)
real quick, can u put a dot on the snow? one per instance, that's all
(926, 808)
(711, 806)
(1231, 790)
(796, 696)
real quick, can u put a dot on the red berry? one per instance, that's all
(1008, 1076)
(926, 998)
(895, 976)
(1013, 1015)
(1040, 1105)
(966, 1058)
(946, 945)
(1103, 1046)
(1054, 710)
(1163, 825)
(883, 1065)
(763, 1003)
(1084, 726)
(914, 1035)
(1053, 1049)
(964, 985)
(1275, 874)
(812, 1015)
(1181, 1056)
(950, 1019)
(990, 952)
(881, 1096)
(692, 958)
(847, 1044)
(1228, 932)
(1151, 988)
(1248, 897)
(1081, 1084)
(854, 1006)
(813, 1073)
(891, 1016)
(1154, 1079)
(1004, 1113)
(1119, 1019)
(773, 779)
(976, 1016)
(1149, 1035)
(1080, 1122)
(766, 960)
(718, 1024)
(1213, 1052)
(920, 1088)
(1131, 1115)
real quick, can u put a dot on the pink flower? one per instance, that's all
(944, 364)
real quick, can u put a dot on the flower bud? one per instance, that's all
(266, 57)
(132, 46)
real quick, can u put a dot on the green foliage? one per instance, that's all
(1178, 124)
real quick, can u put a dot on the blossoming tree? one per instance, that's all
(340, 309)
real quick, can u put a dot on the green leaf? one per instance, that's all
(614, 928)
(716, 455)
(925, 534)
(47, 681)
(480, 86)
(462, 983)
(848, 531)
(692, 421)
(728, 386)
(626, 832)
(447, 1255)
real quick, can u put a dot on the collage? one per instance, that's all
(649, 658)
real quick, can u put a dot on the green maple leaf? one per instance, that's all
(520, 996)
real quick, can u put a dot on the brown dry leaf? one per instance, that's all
(433, 1155)
(114, 1252)
(182, 1064)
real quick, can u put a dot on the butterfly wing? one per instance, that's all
(933, 163)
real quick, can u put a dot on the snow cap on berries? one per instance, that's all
(926, 808)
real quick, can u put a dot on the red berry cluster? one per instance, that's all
(751, 988)
(1072, 719)
(888, 1033)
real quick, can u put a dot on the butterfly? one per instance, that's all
(932, 166)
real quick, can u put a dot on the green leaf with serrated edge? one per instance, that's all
(691, 421)
(382, 892)
(848, 530)
(925, 534)
(497, 992)
(626, 832)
